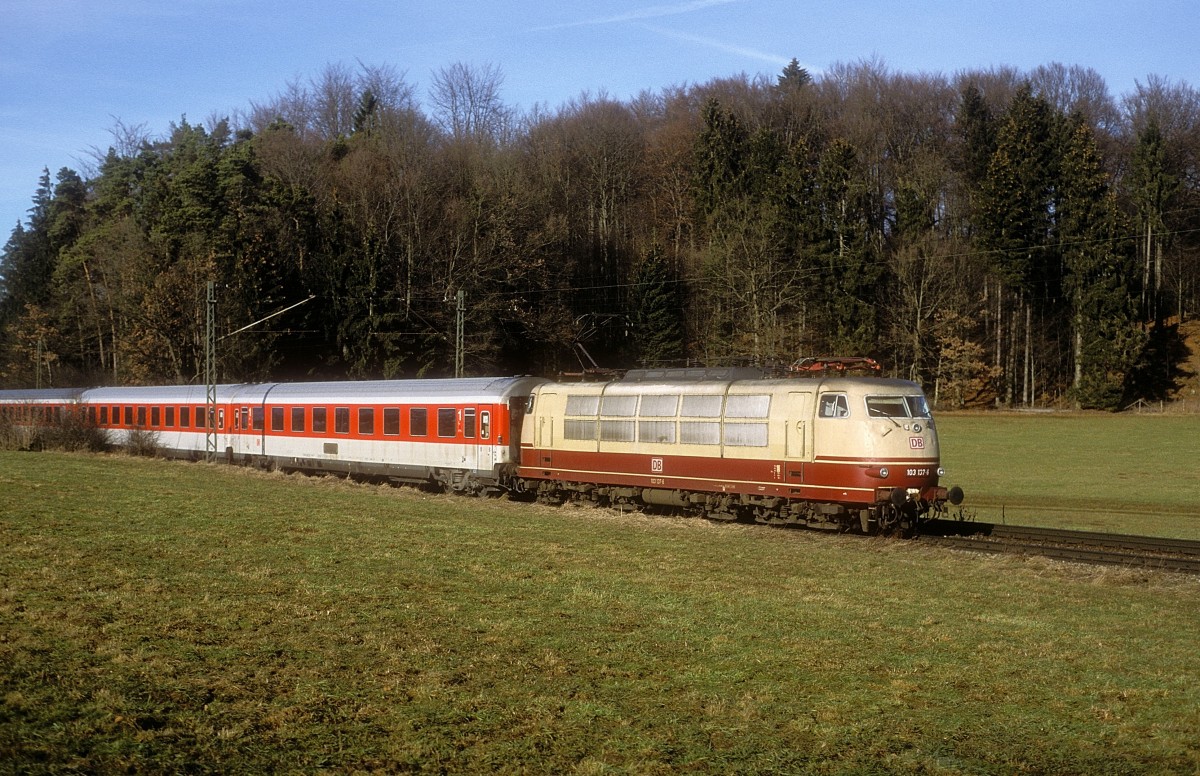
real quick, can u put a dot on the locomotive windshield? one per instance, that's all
(917, 406)
(897, 407)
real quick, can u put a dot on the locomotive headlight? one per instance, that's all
(883, 473)
(916, 428)
(941, 472)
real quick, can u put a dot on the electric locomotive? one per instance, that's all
(844, 453)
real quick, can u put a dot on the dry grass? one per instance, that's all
(170, 617)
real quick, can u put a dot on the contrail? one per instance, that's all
(649, 12)
(728, 48)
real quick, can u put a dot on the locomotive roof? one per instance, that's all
(859, 385)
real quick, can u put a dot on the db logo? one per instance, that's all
(656, 465)
(916, 443)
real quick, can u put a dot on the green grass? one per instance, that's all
(1120, 473)
(164, 617)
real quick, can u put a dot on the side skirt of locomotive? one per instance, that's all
(894, 511)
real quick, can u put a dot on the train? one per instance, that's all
(831, 451)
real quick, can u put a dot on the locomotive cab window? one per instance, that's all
(834, 405)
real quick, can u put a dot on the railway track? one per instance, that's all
(1079, 546)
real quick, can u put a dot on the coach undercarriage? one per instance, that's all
(896, 513)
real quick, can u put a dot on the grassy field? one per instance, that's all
(169, 617)
(1096, 472)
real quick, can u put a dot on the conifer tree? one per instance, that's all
(656, 320)
(1152, 185)
(1099, 269)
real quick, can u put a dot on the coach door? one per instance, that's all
(477, 428)
(799, 426)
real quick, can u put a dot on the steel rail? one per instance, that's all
(1146, 552)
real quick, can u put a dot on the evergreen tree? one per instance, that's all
(793, 78)
(976, 130)
(722, 153)
(1015, 224)
(849, 274)
(656, 320)
(1099, 269)
(1152, 186)
(27, 265)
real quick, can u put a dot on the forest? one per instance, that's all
(1005, 238)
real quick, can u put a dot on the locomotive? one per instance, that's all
(836, 452)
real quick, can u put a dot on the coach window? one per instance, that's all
(391, 421)
(366, 421)
(418, 421)
(128, 415)
(341, 420)
(485, 425)
(319, 420)
(170, 412)
(256, 416)
(469, 423)
(298, 419)
(446, 417)
(185, 417)
(277, 415)
(155, 416)
(834, 405)
(104, 415)
(141, 417)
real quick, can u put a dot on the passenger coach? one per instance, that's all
(461, 434)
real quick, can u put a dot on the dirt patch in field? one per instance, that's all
(1188, 393)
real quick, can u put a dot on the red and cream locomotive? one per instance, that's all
(849, 453)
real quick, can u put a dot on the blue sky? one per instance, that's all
(71, 69)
